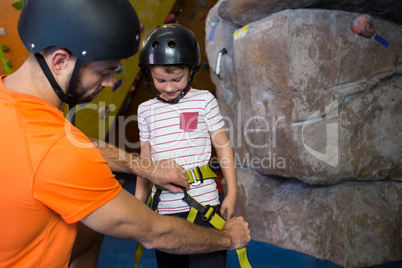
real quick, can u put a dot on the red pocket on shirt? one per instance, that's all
(188, 121)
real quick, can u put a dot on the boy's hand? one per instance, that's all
(228, 207)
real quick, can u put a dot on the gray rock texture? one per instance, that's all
(242, 12)
(353, 224)
(314, 113)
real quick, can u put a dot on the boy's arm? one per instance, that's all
(224, 151)
(142, 186)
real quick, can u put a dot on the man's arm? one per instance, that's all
(126, 217)
(166, 173)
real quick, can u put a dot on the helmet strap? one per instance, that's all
(71, 90)
(45, 68)
(69, 97)
(147, 75)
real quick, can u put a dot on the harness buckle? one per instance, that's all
(209, 213)
(196, 182)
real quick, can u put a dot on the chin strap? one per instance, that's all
(147, 75)
(69, 97)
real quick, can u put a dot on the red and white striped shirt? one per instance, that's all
(181, 132)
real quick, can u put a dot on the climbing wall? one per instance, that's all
(95, 118)
(192, 14)
(12, 52)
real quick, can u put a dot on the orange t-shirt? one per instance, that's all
(50, 178)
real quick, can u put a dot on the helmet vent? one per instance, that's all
(155, 44)
(171, 44)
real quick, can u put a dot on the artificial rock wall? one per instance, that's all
(314, 115)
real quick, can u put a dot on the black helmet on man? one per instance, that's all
(169, 44)
(92, 30)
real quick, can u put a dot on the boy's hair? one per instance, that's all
(170, 68)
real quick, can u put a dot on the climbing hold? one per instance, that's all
(9, 64)
(102, 111)
(363, 25)
(17, 4)
(117, 84)
(119, 69)
(2, 31)
(103, 116)
(4, 48)
(202, 4)
(5, 64)
(192, 13)
(213, 21)
(170, 18)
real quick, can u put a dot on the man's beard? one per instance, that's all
(80, 96)
(80, 92)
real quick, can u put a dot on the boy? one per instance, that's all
(180, 123)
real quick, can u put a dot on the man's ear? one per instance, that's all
(61, 60)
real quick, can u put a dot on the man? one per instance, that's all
(51, 175)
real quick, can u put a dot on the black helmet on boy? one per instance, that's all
(169, 44)
(92, 30)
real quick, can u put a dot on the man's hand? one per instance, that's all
(238, 231)
(167, 174)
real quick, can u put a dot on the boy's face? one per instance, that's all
(171, 84)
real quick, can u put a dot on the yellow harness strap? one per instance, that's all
(243, 258)
(138, 253)
(192, 214)
(197, 175)
(217, 221)
(140, 248)
(208, 213)
(200, 174)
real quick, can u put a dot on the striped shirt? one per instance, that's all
(181, 132)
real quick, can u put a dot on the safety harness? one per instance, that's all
(196, 176)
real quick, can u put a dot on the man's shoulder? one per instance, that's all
(65, 139)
